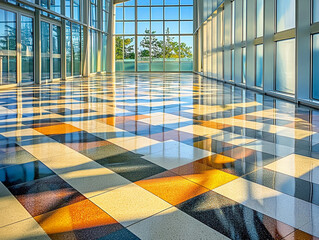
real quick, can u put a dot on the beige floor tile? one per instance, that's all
(85, 175)
(173, 224)
(285, 208)
(297, 166)
(130, 204)
(26, 229)
(11, 211)
(199, 130)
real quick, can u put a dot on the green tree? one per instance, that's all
(124, 49)
(171, 50)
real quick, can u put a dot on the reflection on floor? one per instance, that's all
(156, 156)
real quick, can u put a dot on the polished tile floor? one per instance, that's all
(156, 156)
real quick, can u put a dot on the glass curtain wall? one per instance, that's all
(160, 31)
(270, 65)
(63, 26)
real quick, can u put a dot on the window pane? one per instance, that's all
(76, 9)
(186, 53)
(171, 13)
(315, 10)
(233, 22)
(315, 66)
(186, 27)
(76, 43)
(186, 13)
(171, 2)
(157, 53)
(142, 2)
(56, 6)
(56, 40)
(157, 2)
(119, 28)
(119, 13)
(129, 54)
(157, 48)
(130, 3)
(143, 27)
(285, 66)
(232, 64)
(186, 2)
(45, 50)
(93, 16)
(27, 49)
(260, 18)
(259, 65)
(171, 53)
(244, 19)
(8, 43)
(94, 49)
(68, 49)
(171, 27)
(68, 8)
(157, 13)
(104, 52)
(157, 27)
(143, 13)
(285, 14)
(143, 53)
(129, 13)
(129, 27)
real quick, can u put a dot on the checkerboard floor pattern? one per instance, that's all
(156, 156)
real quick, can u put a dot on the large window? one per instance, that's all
(315, 67)
(8, 47)
(160, 31)
(285, 66)
(285, 14)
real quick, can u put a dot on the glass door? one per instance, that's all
(50, 52)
